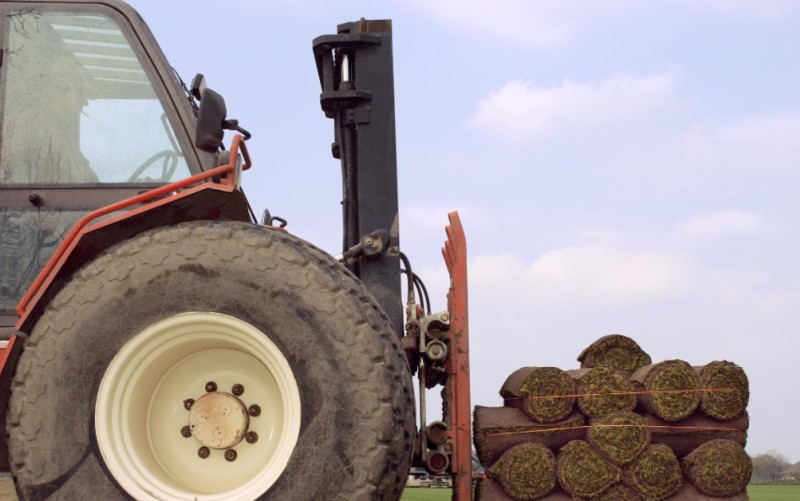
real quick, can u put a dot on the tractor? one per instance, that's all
(159, 341)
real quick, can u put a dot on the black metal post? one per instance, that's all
(357, 77)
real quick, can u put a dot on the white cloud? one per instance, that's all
(766, 142)
(773, 9)
(522, 111)
(706, 226)
(524, 22)
(587, 272)
(547, 23)
(425, 221)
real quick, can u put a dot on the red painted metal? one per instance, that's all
(8, 361)
(457, 401)
(6, 351)
(226, 178)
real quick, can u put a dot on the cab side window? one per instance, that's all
(78, 106)
(81, 126)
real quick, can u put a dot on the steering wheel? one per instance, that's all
(169, 160)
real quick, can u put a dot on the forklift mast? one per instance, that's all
(357, 78)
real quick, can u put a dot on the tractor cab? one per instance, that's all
(90, 114)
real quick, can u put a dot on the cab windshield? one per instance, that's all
(78, 106)
(81, 126)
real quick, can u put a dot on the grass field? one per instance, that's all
(425, 494)
(774, 492)
(755, 492)
(410, 494)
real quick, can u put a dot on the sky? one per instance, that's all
(619, 166)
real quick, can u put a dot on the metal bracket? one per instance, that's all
(332, 92)
(442, 355)
(357, 116)
(457, 405)
(372, 244)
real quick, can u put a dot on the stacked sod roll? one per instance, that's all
(618, 428)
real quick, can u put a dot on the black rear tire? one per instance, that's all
(356, 402)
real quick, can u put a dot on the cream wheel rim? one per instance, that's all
(157, 447)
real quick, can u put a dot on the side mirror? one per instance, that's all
(210, 116)
(198, 86)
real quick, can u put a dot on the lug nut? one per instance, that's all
(188, 403)
(254, 410)
(186, 431)
(230, 455)
(203, 452)
(251, 437)
(237, 389)
(211, 387)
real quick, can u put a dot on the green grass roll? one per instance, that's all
(603, 391)
(527, 472)
(525, 387)
(655, 474)
(671, 389)
(583, 472)
(620, 437)
(719, 468)
(726, 390)
(615, 351)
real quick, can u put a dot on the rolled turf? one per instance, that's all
(620, 437)
(583, 472)
(603, 391)
(497, 429)
(719, 468)
(487, 489)
(670, 389)
(726, 390)
(690, 493)
(525, 388)
(619, 492)
(615, 351)
(527, 471)
(688, 434)
(655, 474)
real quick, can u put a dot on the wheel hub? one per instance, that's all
(218, 420)
(157, 387)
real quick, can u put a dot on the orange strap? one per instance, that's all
(643, 392)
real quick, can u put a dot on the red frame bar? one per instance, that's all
(6, 351)
(226, 179)
(458, 404)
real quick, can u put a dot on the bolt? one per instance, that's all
(237, 389)
(444, 317)
(254, 410)
(230, 455)
(203, 452)
(188, 403)
(251, 437)
(211, 387)
(186, 431)
(368, 242)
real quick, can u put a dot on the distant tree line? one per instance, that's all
(770, 467)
